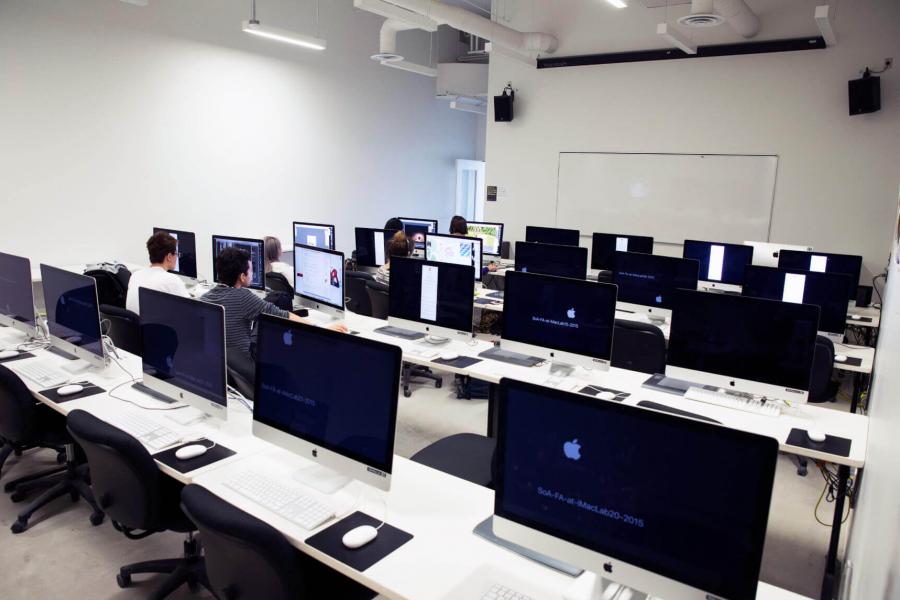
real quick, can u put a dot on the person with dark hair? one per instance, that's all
(399, 245)
(459, 226)
(163, 251)
(394, 223)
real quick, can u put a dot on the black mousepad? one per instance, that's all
(595, 390)
(16, 357)
(460, 362)
(89, 390)
(219, 452)
(851, 360)
(329, 541)
(831, 445)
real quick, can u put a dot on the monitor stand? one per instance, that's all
(321, 478)
(63, 353)
(399, 332)
(591, 587)
(561, 369)
(436, 340)
(485, 529)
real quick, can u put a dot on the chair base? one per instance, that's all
(188, 569)
(73, 480)
(409, 371)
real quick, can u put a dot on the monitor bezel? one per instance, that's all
(180, 232)
(597, 235)
(416, 221)
(315, 303)
(427, 327)
(262, 248)
(577, 233)
(11, 321)
(499, 237)
(712, 283)
(765, 254)
(475, 241)
(579, 249)
(854, 277)
(95, 360)
(658, 312)
(294, 232)
(369, 230)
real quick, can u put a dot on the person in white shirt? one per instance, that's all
(163, 251)
(273, 259)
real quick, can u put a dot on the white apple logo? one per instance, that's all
(659, 299)
(571, 313)
(288, 338)
(572, 449)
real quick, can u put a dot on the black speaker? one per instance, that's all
(503, 107)
(865, 95)
(864, 295)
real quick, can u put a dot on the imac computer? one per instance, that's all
(828, 291)
(551, 235)
(552, 259)
(319, 279)
(605, 245)
(491, 234)
(16, 294)
(428, 298)
(73, 316)
(314, 234)
(765, 254)
(371, 246)
(751, 345)
(257, 253)
(183, 351)
(186, 265)
(454, 249)
(417, 229)
(305, 403)
(822, 262)
(647, 282)
(721, 265)
(682, 516)
(566, 321)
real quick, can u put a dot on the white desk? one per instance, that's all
(869, 311)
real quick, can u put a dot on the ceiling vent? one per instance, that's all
(702, 15)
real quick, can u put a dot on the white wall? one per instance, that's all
(115, 118)
(837, 175)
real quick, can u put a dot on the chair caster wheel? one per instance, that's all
(19, 526)
(801, 471)
(17, 496)
(123, 580)
(438, 384)
(97, 518)
(407, 393)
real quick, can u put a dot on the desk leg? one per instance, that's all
(493, 391)
(857, 391)
(828, 581)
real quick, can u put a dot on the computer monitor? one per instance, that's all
(721, 265)
(16, 293)
(672, 507)
(186, 265)
(765, 254)
(647, 282)
(314, 234)
(490, 233)
(433, 298)
(762, 347)
(73, 314)
(828, 291)
(319, 279)
(257, 257)
(566, 321)
(306, 403)
(824, 262)
(552, 259)
(183, 350)
(415, 229)
(551, 235)
(605, 245)
(371, 246)
(454, 249)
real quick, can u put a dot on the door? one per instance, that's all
(470, 189)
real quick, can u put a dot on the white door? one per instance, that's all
(470, 189)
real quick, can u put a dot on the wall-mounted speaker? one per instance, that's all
(503, 106)
(864, 95)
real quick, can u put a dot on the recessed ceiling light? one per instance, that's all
(618, 3)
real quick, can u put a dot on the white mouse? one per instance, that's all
(4, 354)
(68, 390)
(840, 358)
(447, 355)
(606, 396)
(815, 435)
(189, 452)
(359, 536)
(855, 317)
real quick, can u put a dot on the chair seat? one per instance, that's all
(468, 456)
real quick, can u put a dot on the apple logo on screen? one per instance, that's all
(572, 450)
(571, 313)
(288, 338)
(659, 299)
(169, 362)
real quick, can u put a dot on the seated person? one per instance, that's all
(399, 245)
(459, 226)
(394, 223)
(273, 259)
(163, 251)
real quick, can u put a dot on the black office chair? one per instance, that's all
(505, 250)
(139, 500)
(27, 424)
(124, 328)
(379, 298)
(605, 277)
(638, 347)
(357, 296)
(821, 386)
(279, 283)
(112, 286)
(240, 381)
(468, 456)
(248, 559)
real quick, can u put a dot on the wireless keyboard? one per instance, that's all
(498, 592)
(726, 400)
(284, 501)
(41, 374)
(150, 433)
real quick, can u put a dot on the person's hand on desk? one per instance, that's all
(492, 266)
(339, 327)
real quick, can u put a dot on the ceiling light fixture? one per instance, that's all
(309, 42)
(618, 3)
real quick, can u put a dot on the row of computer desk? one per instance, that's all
(445, 559)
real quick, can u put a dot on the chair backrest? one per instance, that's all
(245, 557)
(124, 477)
(638, 347)
(112, 288)
(823, 365)
(124, 327)
(505, 250)
(357, 296)
(278, 283)
(379, 297)
(17, 410)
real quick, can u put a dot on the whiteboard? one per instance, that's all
(672, 197)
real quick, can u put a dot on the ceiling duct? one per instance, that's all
(701, 15)
(709, 13)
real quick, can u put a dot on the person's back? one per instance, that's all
(163, 251)
(273, 259)
(399, 245)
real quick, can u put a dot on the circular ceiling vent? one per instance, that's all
(387, 57)
(701, 20)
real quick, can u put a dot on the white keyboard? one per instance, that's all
(286, 502)
(150, 433)
(41, 374)
(751, 405)
(498, 592)
(426, 353)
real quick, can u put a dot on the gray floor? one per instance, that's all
(62, 556)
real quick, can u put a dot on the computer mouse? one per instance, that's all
(359, 536)
(815, 435)
(4, 354)
(840, 358)
(449, 355)
(606, 396)
(189, 452)
(855, 317)
(68, 390)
